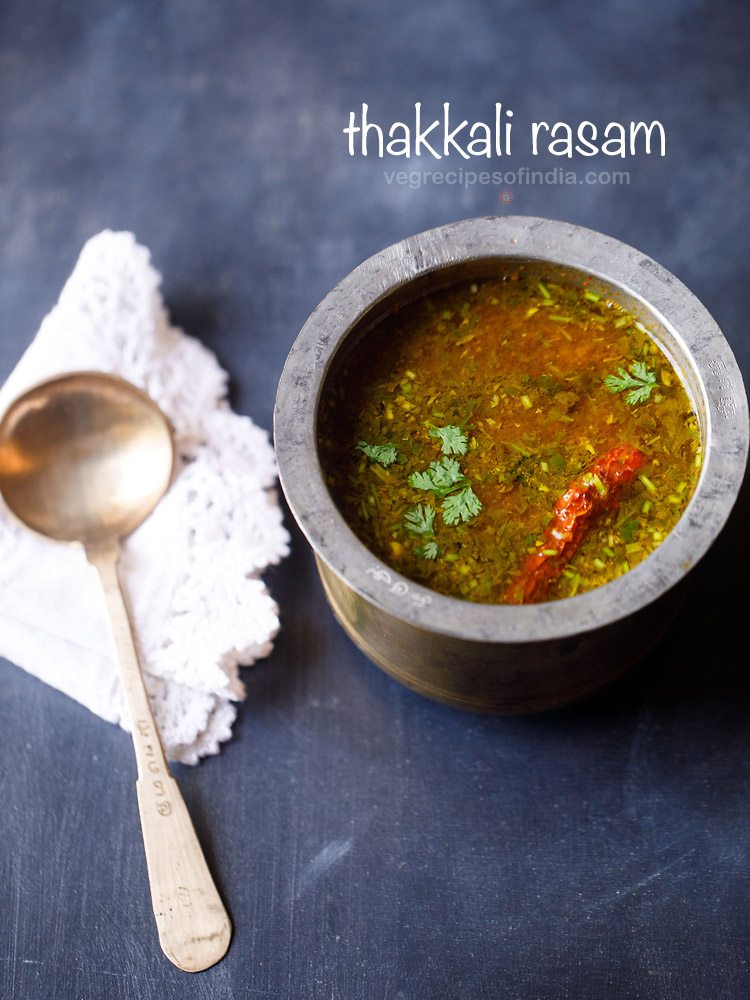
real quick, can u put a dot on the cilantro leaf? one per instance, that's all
(383, 454)
(452, 438)
(420, 519)
(640, 371)
(616, 383)
(430, 550)
(639, 381)
(440, 478)
(422, 480)
(639, 395)
(461, 506)
(446, 473)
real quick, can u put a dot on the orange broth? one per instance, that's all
(511, 370)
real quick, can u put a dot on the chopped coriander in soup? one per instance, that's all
(510, 441)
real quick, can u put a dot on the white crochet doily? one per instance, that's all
(193, 570)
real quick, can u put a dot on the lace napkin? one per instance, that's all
(193, 570)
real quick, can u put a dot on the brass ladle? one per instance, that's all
(85, 458)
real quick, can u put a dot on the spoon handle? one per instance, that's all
(194, 928)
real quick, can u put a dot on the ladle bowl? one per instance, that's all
(84, 458)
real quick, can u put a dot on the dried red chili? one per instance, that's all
(596, 490)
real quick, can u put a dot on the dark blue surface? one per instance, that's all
(370, 844)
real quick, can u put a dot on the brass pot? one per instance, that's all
(509, 658)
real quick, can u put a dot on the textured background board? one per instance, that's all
(369, 843)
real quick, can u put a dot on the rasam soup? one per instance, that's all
(510, 440)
